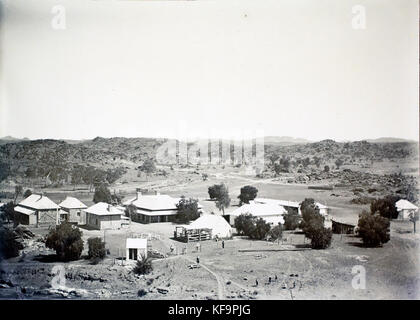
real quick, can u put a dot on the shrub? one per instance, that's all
(320, 237)
(66, 240)
(385, 207)
(143, 266)
(96, 249)
(102, 194)
(9, 246)
(247, 193)
(276, 232)
(373, 228)
(141, 293)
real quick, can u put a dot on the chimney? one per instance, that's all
(138, 195)
(109, 207)
(157, 193)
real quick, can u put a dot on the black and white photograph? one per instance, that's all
(209, 150)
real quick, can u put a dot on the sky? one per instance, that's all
(208, 68)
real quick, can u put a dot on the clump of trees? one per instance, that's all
(373, 229)
(291, 220)
(148, 166)
(143, 266)
(253, 227)
(96, 251)
(385, 207)
(27, 193)
(247, 193)
(187, 210)
(66, 240)
(313, 225)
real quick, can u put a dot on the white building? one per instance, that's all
(103, 216)
(75, 210)
(38, 210)
(218, 225)
(272, 213)
(405, 208)
(154, 208)
(136, 248)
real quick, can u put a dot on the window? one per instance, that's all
(78, 213)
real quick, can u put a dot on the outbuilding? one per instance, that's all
(103, 216)
(208, 226)
(136, 248)
(272, 213)
(75, 210)
(405, 208)
(38, 210)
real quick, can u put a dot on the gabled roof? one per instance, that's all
(103, 209)
(404, 204)
(38, 202)
(72, 203)
(209, 221)
(260, 209)
(155, 202)
(136, 243)
(24, 210)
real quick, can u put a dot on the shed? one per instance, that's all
(207, 227)
(103, 216)
(342, 227)
(75, 209)
(405, 208)
(136, 248)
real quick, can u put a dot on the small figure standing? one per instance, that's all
(172, 248)
(256, 282)
(269, 279)
(223, 244)
(275, 277)
(198, 259)
(198, 246)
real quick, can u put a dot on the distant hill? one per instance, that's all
(389, 140)
(10, 139)
(284, 140)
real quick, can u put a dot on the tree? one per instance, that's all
(339, 163)
(143, 266)
(385, 207)
(214, 191)
(320, 237)
(223, 199)
(310, 215)
(204, 176)
(414, 217)
(9, 211)
(27, 193)
(9, 246)
(326, 169)
(243, 223)
(187, 210)
(66, 240)
(313, 225)
(273, 158)
(254, 228)
(96, 249)
(373, 229)
(148, 166)
(247, 193)
(102, 194)
(291, 220)
(18, 192)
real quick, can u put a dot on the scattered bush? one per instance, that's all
(96, 249)
(373, 228)
(143, 266)
(66, 240)
(320, 237)
(141, 293)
